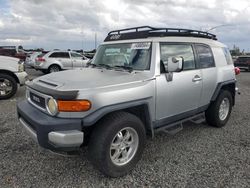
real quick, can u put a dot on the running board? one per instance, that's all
(176, 127)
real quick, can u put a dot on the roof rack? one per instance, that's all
(148, 31)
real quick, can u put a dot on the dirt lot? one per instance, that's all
(198, 156)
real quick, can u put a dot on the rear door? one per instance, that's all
(62, 58)
(206, 64)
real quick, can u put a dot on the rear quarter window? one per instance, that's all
(205, 56)
(227, 56)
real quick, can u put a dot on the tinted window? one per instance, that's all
(205, 55)
(184, 51)
(60, 55)
(228, 56)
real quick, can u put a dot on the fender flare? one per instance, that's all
(219, 86)
(95, 116)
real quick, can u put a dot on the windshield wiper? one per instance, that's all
(130, 69)
(90, 64)
(102, 65)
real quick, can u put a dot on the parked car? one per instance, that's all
(243, 62)
(11, 74)
(161, 78)
(13, 51)
(55, 61)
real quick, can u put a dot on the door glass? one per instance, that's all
(77, 56)
(185, 51)
(60, 55)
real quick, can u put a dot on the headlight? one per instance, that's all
(20, 67)
(52, 106)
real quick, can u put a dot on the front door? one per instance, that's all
(77, 60)
(177, 98)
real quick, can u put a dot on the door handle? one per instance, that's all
(196, 78)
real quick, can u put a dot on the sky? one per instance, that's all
(73, 24)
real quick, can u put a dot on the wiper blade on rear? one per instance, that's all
(130, 69)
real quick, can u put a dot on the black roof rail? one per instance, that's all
(148, 31)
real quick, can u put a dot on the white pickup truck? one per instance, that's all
(11, 74)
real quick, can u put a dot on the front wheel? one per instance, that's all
(8, 86)
(117, 143)
(219, 111)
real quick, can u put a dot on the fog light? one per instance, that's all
(52, 106)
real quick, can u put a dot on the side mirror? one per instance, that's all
(175, 64)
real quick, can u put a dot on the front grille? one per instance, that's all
(38, 100)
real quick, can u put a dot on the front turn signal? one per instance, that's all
(73, 106)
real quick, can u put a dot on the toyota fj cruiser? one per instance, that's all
(142, 80)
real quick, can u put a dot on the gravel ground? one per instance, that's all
(198, 156)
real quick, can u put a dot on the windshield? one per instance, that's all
(129, 55)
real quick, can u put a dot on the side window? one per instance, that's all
(60, 55)
(228, 56)
(55, 54)
(75, 55)
(63, 54)
(178, 50)
(205, 56)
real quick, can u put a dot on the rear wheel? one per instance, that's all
(8, 86)
(54, 68)
(219, 111)
(116, 144)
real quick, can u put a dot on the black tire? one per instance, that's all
(13, 84)
(102, 137)
(54, 68)
(212, 113)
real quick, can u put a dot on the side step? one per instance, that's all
(173, 129)
(199, 119)
(176, 127)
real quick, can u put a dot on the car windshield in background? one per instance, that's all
(133, 56)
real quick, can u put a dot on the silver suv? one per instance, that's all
(55, 61)
(142, 80)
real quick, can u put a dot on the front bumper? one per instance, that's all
(57, 134)
(22, 77)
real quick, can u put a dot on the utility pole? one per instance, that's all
(95, 39)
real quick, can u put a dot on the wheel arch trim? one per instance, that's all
(10, 74)
(220, 86)
(94, 117)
